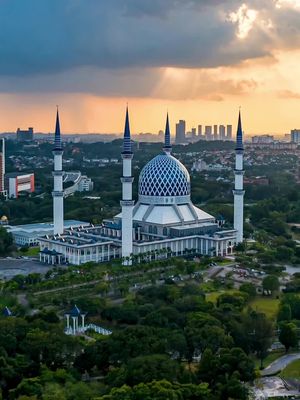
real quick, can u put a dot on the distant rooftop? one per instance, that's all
(45, 226)
(15, 174)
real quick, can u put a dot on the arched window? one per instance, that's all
(155, 230)
(150, 228)
(165, 231)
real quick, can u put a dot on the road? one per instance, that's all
(279, 364)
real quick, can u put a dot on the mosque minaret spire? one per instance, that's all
(58, 193)
(238, 188)
(127, 203)
(167, 145)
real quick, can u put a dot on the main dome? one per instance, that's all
(164, 176)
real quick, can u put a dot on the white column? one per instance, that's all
(74, 325)
(68, 321)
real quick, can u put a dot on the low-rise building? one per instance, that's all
(29, 234)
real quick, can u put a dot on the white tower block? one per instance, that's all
(127, 203)
(238, 188)
(58, 193)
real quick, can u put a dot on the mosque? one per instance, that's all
(162, 223)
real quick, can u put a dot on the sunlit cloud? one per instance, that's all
(245, 18)
(287, 3)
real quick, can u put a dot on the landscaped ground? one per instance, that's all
(31, 252)
(292, 371)
(267, 305)
(213, 296)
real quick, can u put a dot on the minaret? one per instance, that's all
(58, 193)
(238, 188)
(2, 167)
(127, 203)
(167, 145)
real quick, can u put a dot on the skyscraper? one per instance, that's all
(180, 132)
(199, 131)
(208, 132)
(295, 135)
(229, 132)
(222, 132)
(215, 132)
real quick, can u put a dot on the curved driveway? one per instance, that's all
(279, 364)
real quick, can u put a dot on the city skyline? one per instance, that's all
(246, 56)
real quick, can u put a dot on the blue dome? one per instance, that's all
(164, 176)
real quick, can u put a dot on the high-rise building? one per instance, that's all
(229, 132)
(222, 132)
(193, 133)
(180, 132)
(2, 168)
(295, 135)
(215, 132)
(199, 130)
(25, 135)
(208, 132)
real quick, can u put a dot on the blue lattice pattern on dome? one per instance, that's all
(164, 175)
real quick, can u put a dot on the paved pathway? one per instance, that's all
(279, 364)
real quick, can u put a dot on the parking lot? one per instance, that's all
(9, 267)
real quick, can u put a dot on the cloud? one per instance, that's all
(124, 47)
(39, 37)
(160, 83)
(288, 94)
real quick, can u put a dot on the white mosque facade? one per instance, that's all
(162, 223)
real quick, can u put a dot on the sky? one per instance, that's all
(200, 60)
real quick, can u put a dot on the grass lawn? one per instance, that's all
(291, 371)
(31, 252)
(213, 296)
(267, 305)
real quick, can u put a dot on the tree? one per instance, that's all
(159, 390)
(152, 367)
(260, 332)
(284, 313)
(294, 302)
(288, 335)
(271, 283)
(6, 242)
(248, 288)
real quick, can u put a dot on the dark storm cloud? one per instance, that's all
(47, 36)
(117, 47)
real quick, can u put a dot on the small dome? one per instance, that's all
(75, 312)
(4, 218)
(164, 176)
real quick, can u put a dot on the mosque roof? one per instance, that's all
(164, 176)
(75, 312)
(169, 214)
